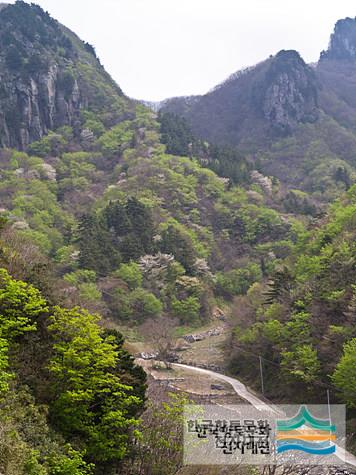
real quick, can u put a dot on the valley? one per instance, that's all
(153, 256)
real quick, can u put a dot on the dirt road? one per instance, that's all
(244, 392)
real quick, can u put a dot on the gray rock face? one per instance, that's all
(290, 93)
(47, 76)
(40, 106)
(342, 44)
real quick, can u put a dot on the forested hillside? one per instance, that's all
(297, 121)
(302, 321)
(113, 216)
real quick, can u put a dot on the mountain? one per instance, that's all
(298, 119)
(48, 75)
(269, 99)
(342, 44)
(109, 208)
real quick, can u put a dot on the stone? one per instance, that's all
(148, 356)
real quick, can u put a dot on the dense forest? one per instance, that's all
(115, 219)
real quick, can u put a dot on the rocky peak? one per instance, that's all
(288, 92)
(342, 45)
(47, 76)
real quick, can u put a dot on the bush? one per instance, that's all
(187, 310)
(344, 376)
(131, 274)
(237, 281)
(144, 305)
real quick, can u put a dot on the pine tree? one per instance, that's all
(175, 242)
(141, 223)
(117, 219)
(95, 245)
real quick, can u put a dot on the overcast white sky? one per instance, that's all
(161, 48)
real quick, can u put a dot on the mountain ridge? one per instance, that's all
(282, 103)
(48, 75)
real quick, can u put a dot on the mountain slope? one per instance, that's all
(48, 75)
(95, 212)
(255, 104)
(297, 119)
(100, 196)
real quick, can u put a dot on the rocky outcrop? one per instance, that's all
(342, 44)
(289, 92)
(254, 105)
(47, 76)
(40, 104)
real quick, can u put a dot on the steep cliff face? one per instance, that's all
(342, 44)
(47, 76)
(336, 71)
(289, 92)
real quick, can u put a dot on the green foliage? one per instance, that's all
(178, 243)
(116, 139)
(302, 364)
(95, 126)
(74, 166)
(20, 305)
(297, 201)
(229, 162)
(308, 267)
(28, 445)
(187, 310)
(308, 310)
(51, 143)
(80, 276)
(132, 226)
(176, 134)
(130, 374)
(4, 365)
(344, 376)
(131, 274)
(70, 464)
(144, 305)
(89, 292)
(179, 140)
(237, 281)
(95, 244)
(160, 442)
(91, 404)
(85, 281)
(66, 83)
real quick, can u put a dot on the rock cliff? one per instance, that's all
(289, 92)
(47, 76)
(342, 44)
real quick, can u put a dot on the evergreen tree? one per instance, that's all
(131, 247)
(176, 134)
(132, 227)
(175, 242)
(130, 374)
(141, 222)
(117, 219)
(95, 245)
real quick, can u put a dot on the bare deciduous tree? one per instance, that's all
(159, 332)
